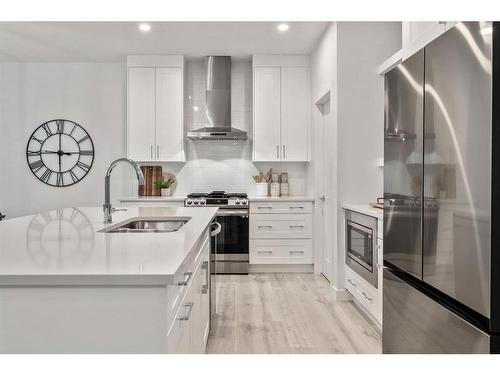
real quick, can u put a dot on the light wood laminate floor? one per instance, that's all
(287, 313)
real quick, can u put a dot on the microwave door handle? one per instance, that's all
(360, 227)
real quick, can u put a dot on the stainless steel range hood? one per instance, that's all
(218, 103)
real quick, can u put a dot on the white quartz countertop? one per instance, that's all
(152, 199)
(65, 246)
(365, 209)
(289, 198)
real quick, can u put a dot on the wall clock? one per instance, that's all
(60, 152)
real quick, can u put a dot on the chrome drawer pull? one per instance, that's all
(296, 251)
(297, 207)
(265, 226)
(264, 207)
(264, 251)
(204, 266)
(189, 306)
(351, 282)
(296, 226)
(366, 296)
(187, 277)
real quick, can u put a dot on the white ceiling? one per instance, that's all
(113, 41)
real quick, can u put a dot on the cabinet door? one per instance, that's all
(169, 115)
(294, 114)
(418, 34)
(266, 142)
(205, 297)
(141, 113)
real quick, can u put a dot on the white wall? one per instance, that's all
(346, 59)
(92, 95)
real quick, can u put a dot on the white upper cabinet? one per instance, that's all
(294, 113)
(169, 114)
(417, 35)
(141, 113)
(267, 133)
(281, 108)
(155, 108)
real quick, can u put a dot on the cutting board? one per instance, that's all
(151, 173)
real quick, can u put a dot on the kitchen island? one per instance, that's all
(69, 286)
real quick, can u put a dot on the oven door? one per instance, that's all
(232, 242)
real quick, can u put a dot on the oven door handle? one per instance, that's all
(215, 231)
(242, 213)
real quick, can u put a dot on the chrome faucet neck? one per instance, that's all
(107, 207)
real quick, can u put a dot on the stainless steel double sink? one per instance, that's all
(148, 226)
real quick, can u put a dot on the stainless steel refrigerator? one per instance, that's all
(441, 196)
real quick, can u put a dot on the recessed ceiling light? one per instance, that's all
(486, 30)
(145, 27)
(283, 27)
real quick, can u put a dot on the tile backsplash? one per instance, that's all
(224, 165)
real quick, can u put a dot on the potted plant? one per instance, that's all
(164, 186)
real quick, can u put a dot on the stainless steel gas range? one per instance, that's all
(230, 246)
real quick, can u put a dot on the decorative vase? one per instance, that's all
(166, 192)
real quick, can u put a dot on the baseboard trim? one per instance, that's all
(281, 268)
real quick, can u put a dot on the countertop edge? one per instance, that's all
(85, 280)
(290, 198)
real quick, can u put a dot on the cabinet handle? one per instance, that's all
(284, 152)
(277, 151)
(157, 152)
(264, 226)
(204, 288)
(351, 282)
(366, 296)
(296, 251)
(296, 226)
(265, 207)
(187, 277)
(151, 152)
(297, 207)
(189, 306)
(264, 251)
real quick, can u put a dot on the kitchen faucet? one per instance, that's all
(107, 207)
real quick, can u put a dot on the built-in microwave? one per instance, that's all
(361, 245)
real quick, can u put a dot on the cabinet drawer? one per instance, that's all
(269, 251)
(280, 226)
(281, 207)
(179, 333)
(364, 293)
(184, 277)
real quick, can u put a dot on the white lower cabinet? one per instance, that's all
(280, 251)
(364, 293)
(188, 332)
(280, 233)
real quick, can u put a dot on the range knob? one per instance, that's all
(244, 201)
(196, 201)
(203, 201)
(237, 201)
(189, 201)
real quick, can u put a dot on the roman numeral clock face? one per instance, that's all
(60, 153)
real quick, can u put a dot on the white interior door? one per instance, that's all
(169, 107)
(294, 113)
(325, 171)
(267, 117)
(141, 113)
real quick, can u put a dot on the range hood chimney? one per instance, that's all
(218, 102)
